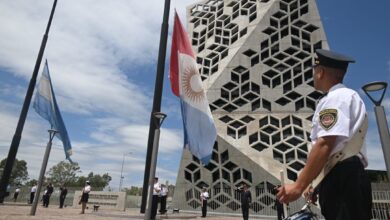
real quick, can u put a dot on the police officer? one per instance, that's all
(246, 200)
(345, 191)
(204, 195)
(163, 199)
(156, 193)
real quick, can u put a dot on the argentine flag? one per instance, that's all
(45, 105)
(199, 129)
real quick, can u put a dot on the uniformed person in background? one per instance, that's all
(246, 200)
(204, 196)
(16, 193)
(85, 196)
(156, 193)
(63, 193)
(46, 196)
(345, 192)
(163, 199)
(32, 193)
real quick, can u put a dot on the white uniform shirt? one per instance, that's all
(156, 189)
(34, 189)
(87, 189)
(340, 113)
(204, 195)
(164, 191)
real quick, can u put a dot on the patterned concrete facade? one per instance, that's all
(255, 59)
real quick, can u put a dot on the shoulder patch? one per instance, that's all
(328, 118)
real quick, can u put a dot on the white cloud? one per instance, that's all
(95, 49)
(373, 142)
(88, 43)
(374, 151)
(137, 137)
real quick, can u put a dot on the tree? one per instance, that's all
(31, 182)
(97, 180)
(19, 173)
(134, 190)
(64, 173)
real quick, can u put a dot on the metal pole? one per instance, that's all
(282, 182)
(384, 135)
(42, 173)
(156, 100)
(23, 114)
(121, 180)
(152, 172)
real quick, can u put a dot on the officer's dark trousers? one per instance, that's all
(245, 211)
(204, 208)
(46, 200)
(32, 194)
(345, 193)
(154, 207)
(163, 204)
(62, 200)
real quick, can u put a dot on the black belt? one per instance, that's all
(351, 160)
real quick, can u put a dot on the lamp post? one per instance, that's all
(158, 118)
(52, 133)
(123, 162)
(381, 119)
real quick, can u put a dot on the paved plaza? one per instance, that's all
(12, 211)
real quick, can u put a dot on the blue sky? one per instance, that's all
(102, 59)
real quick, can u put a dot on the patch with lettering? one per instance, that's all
(328, 118)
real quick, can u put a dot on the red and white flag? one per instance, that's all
(199, 129)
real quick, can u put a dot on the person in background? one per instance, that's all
(85, 196)
(156, 193)
(46, 197)
(16, 193)
(246, 200)
(63, 192)
(163, 199)
(32, 193)
(203, 197)
(7, 191)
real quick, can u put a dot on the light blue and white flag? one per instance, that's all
(45, 105)
(199, 129)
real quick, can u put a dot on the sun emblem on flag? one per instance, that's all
(192, 84)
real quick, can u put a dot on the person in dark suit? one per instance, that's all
(246, 200)
(63, 193)
(46, 197)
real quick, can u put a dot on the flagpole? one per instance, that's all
(156, 100)
(52, 133)
(23, 114)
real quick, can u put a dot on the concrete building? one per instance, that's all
(255, 59)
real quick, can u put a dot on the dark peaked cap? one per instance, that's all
(332, 59)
